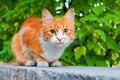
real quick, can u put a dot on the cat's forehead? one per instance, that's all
(59, 23)
(58, 20)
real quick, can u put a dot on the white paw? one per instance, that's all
(30, 63)
(56, 64)
(42, 64)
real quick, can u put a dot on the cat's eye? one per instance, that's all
(53, 31)
(66, 30)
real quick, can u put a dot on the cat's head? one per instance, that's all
(58, 31)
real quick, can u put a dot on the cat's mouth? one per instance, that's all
(59, 43)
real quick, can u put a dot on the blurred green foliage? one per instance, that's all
(97, 28)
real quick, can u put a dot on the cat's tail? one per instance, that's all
(15, 63)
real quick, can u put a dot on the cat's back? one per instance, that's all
(32, 22)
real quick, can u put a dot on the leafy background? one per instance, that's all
(97, 28)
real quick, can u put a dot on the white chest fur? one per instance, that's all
(51, 53)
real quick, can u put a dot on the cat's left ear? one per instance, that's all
(46, 16)
(69, 16)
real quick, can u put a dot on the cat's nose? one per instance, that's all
(60, 39)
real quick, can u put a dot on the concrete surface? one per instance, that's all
(58, 73)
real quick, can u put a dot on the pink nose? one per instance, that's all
(59, 39)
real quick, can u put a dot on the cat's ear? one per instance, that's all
(46, 16)
(69, 16)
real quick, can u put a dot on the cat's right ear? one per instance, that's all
(46, 16)
(69, 16)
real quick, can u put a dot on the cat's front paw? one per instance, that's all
(56, 64)
(42, 64)
(30, 63)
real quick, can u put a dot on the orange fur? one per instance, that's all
(27, 44)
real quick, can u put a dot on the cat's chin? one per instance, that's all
(60, 44)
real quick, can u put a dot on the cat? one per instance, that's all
(43, 40)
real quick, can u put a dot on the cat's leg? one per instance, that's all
(25, 60)
(30, 63)
(56, 63)
(30, 60)
(21, 56)
(42, 62)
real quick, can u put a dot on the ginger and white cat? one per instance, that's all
(43, 40)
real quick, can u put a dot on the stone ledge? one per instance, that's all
(58, 73)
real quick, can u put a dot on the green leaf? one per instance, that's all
(79, 51)
(91, 17)
(90, 61)
(82, 34)
(91, 58)
(104, 20)
(98, 10)
(101, 63)
(101, 33)
(90, 45)
(111, 44)
(118, 30)
(96, 48)
(89, 27)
